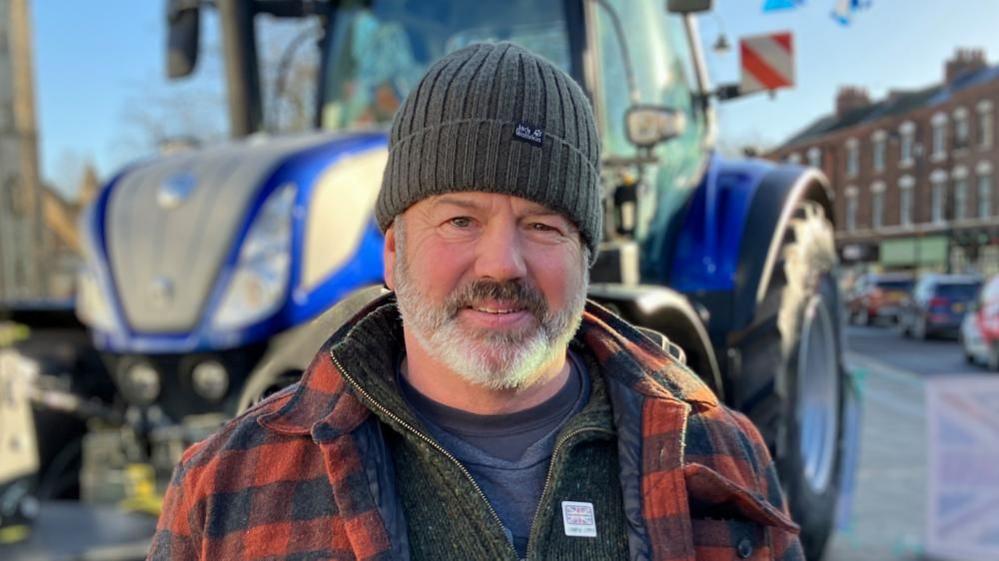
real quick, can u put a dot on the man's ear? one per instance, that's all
(388, 256)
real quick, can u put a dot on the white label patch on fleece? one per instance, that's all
(579, 519)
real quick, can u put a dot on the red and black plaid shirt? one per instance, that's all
(286, 480)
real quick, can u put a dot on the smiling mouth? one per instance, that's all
(497, 311)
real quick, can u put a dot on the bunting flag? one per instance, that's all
(842, 12)
(774, 5)
(844, 9)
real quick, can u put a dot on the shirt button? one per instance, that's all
(745, 548)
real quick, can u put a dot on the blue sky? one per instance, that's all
(87, 64)
(95, 66)
(894, 44)
(93, 69)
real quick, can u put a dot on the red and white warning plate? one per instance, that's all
(767, 62)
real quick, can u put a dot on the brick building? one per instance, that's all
(913, 174)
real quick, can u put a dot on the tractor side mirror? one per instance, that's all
(648, 125)
(688, 6)
(183, 27)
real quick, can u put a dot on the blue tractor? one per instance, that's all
(211, 274)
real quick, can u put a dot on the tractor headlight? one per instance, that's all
(260, 279)
(210, 380)
(92, 307)
(140, 382)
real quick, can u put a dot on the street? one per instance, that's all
(888, 519)
(932, 357)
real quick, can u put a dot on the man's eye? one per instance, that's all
(542, 227)
(460, 222)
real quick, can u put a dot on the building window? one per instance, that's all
(878, 144)
(815, 157)
(905, 200)
(938, 197)
(937, 202)
(905, 206)
(852, 157)
(851, 209)
(939, 143)
(985, 124)
(907, 141)
(962, 130)
(960, 198)
(878, 209)
(985, 194)
(960, 176)
(878, 205)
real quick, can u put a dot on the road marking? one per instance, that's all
(901, 406)
(888, 371)
(889, 399)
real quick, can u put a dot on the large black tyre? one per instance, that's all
(968, 357)
(864, 317)
(993, 359)
(902, 325)
(919, 330)
(791, 381)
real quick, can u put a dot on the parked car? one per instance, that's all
(980, 329)
(878, 296)
(937, 305)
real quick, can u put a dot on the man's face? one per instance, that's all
(493, 286)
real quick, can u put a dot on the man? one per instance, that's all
(503, 417)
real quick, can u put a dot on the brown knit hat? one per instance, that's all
(500, 119)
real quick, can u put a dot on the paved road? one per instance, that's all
(888, 518)
(928, 358)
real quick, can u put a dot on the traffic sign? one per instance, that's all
(767, 62)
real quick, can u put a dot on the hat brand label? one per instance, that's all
(529, 134)
(579, 519)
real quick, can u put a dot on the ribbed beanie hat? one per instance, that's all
(500, 119)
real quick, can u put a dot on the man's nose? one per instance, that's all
(499, 255)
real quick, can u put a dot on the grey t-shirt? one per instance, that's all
(507, 455)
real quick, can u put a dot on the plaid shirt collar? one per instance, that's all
(324, 404)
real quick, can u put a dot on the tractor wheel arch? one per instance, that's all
(785, 347)
(776, 198)
(670, 314)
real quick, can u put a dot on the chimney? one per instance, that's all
(964, 61)
(850, 98)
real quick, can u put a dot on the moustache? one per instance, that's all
(514, 293)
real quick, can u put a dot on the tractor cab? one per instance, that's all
(634, 60)
(639, 62)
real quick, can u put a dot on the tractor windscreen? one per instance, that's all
(377, 51)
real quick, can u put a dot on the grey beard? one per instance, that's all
(497, 360)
